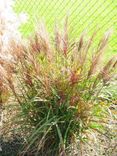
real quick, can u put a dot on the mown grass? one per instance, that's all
(87, 15)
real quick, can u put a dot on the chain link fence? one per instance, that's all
(88, 15)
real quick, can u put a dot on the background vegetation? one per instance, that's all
(83, 15)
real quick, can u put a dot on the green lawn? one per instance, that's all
(83, 15)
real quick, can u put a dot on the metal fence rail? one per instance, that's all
(83, 15)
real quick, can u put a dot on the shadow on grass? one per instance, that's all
(10, 147)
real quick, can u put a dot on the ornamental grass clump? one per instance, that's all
(9, 25)
(57, 85)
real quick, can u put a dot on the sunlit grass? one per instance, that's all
(88, 15)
